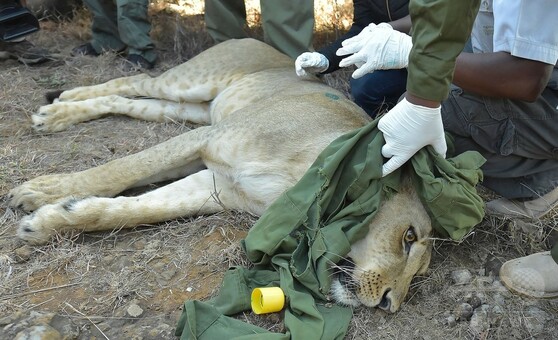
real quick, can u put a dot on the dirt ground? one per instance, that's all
(132, 284)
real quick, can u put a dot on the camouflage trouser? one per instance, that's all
(122, 24)
(288, 24)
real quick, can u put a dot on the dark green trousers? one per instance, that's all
(121, 24)
(288, 24)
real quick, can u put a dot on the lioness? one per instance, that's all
(265, 126)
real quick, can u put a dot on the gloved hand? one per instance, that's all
(407, 128)
(384, 49)
(359, 40)
(310, 62)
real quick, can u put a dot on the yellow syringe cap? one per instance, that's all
(267, 300)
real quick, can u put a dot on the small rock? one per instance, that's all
(497, 309)
(499, 299)
(492, 266)
(162, 331)
(40, 332)
(463, 312)
(473, 299)
(10, 319)
(65, 326)
(479, 321)
(23, 254)
(495, 315)
(531, 231)
(107, 259)
(461, 277)
(139, 245)
(134, 310)
(535, 319)
(497, 285)
(450, 320)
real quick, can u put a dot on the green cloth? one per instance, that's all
(313, 225)
(208, 320)
(288, 25)
(440, 29)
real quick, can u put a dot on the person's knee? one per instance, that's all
(366, 95)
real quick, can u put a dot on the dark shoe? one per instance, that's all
(135, 62)
(85, 49)
(533, 209)
(25, 52)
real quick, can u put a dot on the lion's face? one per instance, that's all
(379, 268)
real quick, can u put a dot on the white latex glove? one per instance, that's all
(385, 49)
(358, 41)
(407, 128)
(310, 62)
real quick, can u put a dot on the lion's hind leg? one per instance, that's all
(124, 86)
(201, 193)
(199, 79)
(61, 115)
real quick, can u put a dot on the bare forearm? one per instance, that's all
(402, 25)
(501, 75)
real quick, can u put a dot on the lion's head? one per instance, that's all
(379, 268)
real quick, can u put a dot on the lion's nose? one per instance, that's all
(385, 303)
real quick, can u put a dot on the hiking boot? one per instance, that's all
(533, 209)
(135, 62)
(85, 49)
(534, 276)
(25, 52)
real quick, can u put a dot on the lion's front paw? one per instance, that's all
(37, 192)
(52, 118)
(33, 231)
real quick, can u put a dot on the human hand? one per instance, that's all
(310, 62)
(354, 44)
(382, 49)
(407, 128)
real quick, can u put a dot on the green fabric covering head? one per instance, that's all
(313, 225)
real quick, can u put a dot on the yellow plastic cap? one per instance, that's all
(267, 300)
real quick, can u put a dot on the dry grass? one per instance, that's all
(94, 276)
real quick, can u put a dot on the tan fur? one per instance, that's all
(264, 127)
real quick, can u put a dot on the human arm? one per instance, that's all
(440, 30)
(501, 75)
(364, 14)
(402, 25)
(516, 56)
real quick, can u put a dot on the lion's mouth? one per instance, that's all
(345, 276)
(344, 286)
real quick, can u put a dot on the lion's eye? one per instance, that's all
(409, 238)
(410, 235)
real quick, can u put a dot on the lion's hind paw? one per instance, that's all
(31, 231)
